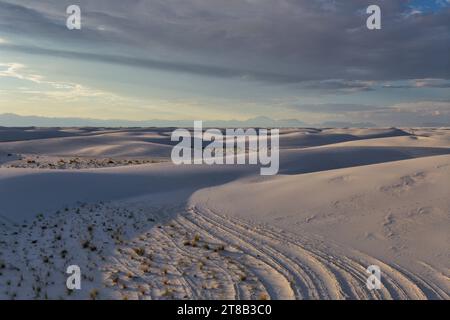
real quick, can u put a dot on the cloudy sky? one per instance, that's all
(312, 60)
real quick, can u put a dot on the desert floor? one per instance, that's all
(139, 227)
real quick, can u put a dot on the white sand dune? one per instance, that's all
(94, 144)
(344, 199)
(395, 214)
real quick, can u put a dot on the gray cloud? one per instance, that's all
(339, 85)
(170, 66)
(420, 83)
(278, 41)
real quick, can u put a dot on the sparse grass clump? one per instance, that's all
(139, 251)
(142, 290)
(263, 296)
(219, 248)
(93, 294)
(115, 279)
(145, 269)
(85, 244)
(166, 292)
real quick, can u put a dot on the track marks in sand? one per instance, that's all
(175, 252)
(310, 275)
(313, 269)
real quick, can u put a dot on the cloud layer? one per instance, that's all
(315, 56)
(278, 41)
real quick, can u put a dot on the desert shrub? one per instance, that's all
(166, 292)
(93, 294)
(85, 244)
(139, 251)
(263, 296)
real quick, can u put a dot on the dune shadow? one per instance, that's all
(314, 160)
(25, 195)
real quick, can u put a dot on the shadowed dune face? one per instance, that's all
(49, 190)
(305, 161)
(319, 137)
(344, 199)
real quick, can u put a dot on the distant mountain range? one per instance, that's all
(14, 120)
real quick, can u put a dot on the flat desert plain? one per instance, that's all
(139, 227)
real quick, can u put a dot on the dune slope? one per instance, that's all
(344, 199)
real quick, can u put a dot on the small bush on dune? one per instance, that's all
(63, 254)
(166, 293)
(139, 251)
(115, 279)
(93, 294)
(85, 244)
(263, 296)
